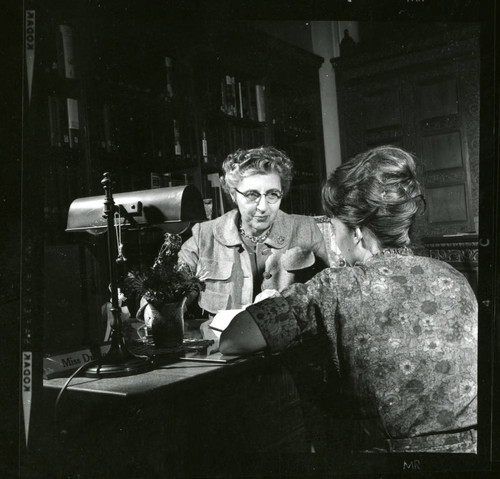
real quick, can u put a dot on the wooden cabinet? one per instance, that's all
(421, 93)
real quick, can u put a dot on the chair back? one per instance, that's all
(327, 230)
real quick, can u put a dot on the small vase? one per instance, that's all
(166, 324)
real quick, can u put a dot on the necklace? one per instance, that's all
(255, 239)
(403, 250)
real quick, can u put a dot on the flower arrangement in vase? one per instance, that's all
(164, 288)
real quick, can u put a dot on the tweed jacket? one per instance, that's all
(295, 251)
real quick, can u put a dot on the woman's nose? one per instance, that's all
(262, 203)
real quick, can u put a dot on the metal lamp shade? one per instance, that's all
(172, 209)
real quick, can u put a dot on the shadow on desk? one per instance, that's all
(186, 419)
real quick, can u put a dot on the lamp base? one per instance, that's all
(112, 367)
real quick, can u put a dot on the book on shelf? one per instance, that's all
(55, 123)
(232, 105)
(261, 102)
(66, 52)
(223, 98)
(64, 123)
(218, 200)
(244, 87)
(252, 100)
(242, 100)
(177, 139)
(166, 179)
(204, 147)
(169, 77)
(155, 180)
(73, 122)
(229, 95)
(169, 179)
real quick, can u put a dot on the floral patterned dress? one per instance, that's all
(402, 333)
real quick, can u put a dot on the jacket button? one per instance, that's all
(266, 275)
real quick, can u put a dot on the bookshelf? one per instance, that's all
(155, 100)
(170, 111)
(253, 90)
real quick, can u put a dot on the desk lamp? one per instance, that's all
(172, 209)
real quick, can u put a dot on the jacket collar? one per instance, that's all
(226, 230)
(281, 232)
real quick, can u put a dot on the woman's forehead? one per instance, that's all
(260, 181)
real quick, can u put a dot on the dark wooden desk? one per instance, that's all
(176, 377)
(173, 420)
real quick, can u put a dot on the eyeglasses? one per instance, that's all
(253, 196)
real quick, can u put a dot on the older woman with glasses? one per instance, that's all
(255, 246)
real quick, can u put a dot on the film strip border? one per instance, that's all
(32, 239)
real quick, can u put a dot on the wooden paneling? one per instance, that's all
(438, 97)
(427, 102)
(382, 109)
(446, 204)
(442, 151)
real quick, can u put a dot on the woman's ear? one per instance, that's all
(358, 234)
(369, 241)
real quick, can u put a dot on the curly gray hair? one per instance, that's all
(256, 161)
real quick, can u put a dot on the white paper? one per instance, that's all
(222, 319)
(267, 293)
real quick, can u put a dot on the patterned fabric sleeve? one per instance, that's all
(294, 316)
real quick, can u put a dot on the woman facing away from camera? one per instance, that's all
(401, 329)
(255, 246)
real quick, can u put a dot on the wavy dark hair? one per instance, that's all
(262, 160)
(379, 190)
